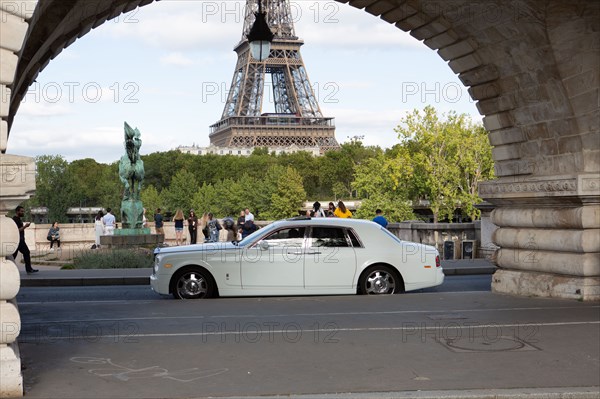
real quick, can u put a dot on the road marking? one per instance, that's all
(291, 315)
(412, 328)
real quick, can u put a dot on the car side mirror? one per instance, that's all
(264, 245)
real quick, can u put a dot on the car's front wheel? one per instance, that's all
(379, 280)
(193, 284)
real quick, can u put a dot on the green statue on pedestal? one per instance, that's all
(131, 172)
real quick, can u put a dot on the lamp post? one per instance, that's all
(260, 36)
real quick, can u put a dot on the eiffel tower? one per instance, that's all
(297, 119)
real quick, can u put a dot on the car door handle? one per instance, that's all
(313, 253)
(294, 252)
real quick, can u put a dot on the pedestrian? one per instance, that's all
(331, 210)
(248, 215)
(380, 219)
(342, 211)
(54, 236)
(23, 248)
(193, 227)
(317, 210)
(109, 221)
(99, 229)
(178, 219)
(213, 228)
(203, 225)
(158, 223)
(241, 219)
(248, 228)
(231, 227)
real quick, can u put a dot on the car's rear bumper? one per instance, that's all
(439, 276)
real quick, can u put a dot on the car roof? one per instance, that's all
(341, 222)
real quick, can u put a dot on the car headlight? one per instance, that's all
(156, 263)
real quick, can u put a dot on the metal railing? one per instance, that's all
(272, 121)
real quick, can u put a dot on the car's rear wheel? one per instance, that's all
(194, 283)
(380, 280)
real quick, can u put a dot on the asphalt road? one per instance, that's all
(144, 292)
(126, 342)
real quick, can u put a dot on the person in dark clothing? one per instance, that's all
(248, 228)
(23, 248)
(240, 220)
(193, 227)
(54, 236)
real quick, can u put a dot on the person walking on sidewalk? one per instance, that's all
(23, 248)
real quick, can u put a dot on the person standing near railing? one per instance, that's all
(54, 236)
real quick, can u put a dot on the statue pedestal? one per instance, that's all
(120, 240)
(132, 232)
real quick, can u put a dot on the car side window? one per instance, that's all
(354, 239)
(328, 237)
(289, 237)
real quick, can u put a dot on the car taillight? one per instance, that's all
(437, 261)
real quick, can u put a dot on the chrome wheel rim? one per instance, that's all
(192, 285)
(380, 282)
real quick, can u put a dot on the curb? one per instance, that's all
(509, 393)
(470, 270)
(83, 281)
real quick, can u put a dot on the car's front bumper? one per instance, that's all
(158, 285)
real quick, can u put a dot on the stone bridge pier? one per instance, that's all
(548, 234)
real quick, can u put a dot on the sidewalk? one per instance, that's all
(54, 276)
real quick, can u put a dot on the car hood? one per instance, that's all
(212, 246)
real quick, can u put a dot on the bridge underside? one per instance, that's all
(532, 67)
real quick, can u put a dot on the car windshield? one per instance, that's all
(260, 232)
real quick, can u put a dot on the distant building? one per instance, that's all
(245, 151)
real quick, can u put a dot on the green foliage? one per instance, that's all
(337, 167)
(116, 259)
(289, 194)
(180, 192)
(441, 159)
(54, 187)
(447, 157)
(151, 199)
(394, 209)
(376, 181)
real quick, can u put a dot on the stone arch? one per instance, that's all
(533, 69)
(532, 66)
(519, 61)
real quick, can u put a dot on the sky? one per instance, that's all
(166, 69)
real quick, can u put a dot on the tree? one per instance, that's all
(151, 199)
(381, 185)
(205, 199)
(54, 188)
(337, 167)
(180, 193)
(289, 194)
(85, 173)
(442, 156)
(476, 165)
